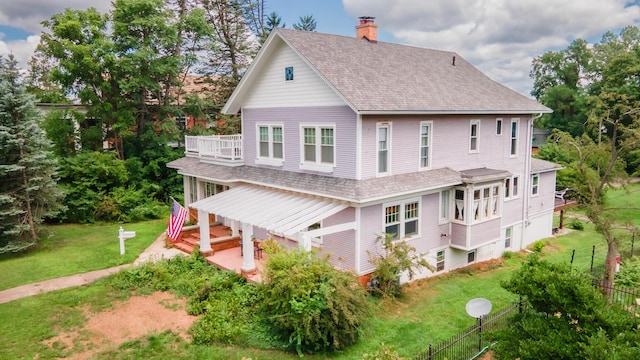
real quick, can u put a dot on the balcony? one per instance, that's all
(215, 149)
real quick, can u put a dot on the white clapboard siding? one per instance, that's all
(306, 89)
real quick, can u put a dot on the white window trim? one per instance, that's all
(535, 184)
(469, 208)
(465, 207)
(269, 160)
(510, 237)
(318, 165)
(444, 260)
(485, 203)
(512, 186)
(430, 145)
(477, 137)
(443, 220)
(499, 128)
(386, 125)
(401, 204)
(513, 149)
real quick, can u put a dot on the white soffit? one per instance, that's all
(278, 211)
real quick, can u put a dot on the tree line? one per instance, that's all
(127, 69)
(594, 92)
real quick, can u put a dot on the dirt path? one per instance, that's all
(125, 321)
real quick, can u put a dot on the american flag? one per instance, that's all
(176, 220)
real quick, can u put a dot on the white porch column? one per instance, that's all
(304, 241)
(205, 239)
(248, 264)
(235, 227)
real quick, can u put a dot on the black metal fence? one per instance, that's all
(471, 342)
(626, 298)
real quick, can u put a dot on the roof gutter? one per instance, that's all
(453, 112)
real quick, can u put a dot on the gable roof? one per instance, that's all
(384, 78)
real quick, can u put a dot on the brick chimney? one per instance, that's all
(367, 29)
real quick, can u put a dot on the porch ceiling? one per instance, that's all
(282, 212)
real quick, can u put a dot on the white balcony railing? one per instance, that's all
(215, 148)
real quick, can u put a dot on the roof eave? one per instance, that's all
(233, 104)
(453, 112)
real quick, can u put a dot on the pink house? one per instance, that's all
(346, 138)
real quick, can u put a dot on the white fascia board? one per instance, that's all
(232, 106)
(453, 112)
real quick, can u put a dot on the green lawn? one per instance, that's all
(627, 204)
(73, 249)
(432, 310)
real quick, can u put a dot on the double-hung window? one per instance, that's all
(485, 204)
(474, 133)
(511, 187)
(402, 219)
(193, 189)
(425, 144)
(498, 126)
(318, 147)
(507, 237)
(384, 148)
(513, 146)
(535, 179)
(445, 200)
(459, 205)
(270, 144)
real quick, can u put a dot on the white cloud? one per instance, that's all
(22, 50)
(29, 14)
(499, 37)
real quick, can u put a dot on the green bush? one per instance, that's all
(577, 225)
(538, 245)
(629, 275)
(397, 257)
(507, 255)
(309, 305)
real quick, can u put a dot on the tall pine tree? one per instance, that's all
(28, 189)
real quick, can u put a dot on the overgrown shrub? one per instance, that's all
(310, 305)
(507, 255)
(397, 257)
(569, 318)
(629, 275)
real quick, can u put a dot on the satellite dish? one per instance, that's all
(478, 307)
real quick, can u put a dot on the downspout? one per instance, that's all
(527, 180)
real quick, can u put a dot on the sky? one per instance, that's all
(500, 37)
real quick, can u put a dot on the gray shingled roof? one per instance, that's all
(327, 186)
(479, 175)
(386, 77)
(539, 165)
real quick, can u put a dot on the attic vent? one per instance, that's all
(288, 73)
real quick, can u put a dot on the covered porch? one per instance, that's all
(245, 209)
(226, 251)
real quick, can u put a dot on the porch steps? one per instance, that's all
(220, 239)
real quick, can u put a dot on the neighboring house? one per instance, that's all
(539, 138)
(344, 139)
